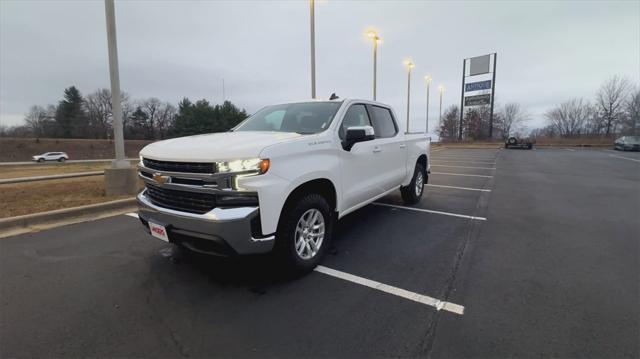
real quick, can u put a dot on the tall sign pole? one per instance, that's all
(493, 94)
(313, 47)
(464, 68)
(112, 44)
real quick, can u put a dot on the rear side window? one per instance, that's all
(383, 122)
(356, 116)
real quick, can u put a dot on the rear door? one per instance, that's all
(393, 150)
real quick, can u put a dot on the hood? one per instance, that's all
(216, 146)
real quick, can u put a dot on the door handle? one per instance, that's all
(377, 149)
(403, 146)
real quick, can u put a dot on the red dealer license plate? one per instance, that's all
(158, 231)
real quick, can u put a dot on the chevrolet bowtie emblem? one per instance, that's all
(160, 178)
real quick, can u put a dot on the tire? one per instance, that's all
(292, 228)
(512, 141)
(40, 160)
(61, 159)
(412, 193)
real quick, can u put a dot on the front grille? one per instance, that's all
(192, 202)
(186, 167)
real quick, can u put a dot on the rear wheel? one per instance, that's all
(304, 233)
(412, 193)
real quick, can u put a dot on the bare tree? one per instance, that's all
(632, 114)
(98, 106)
(569, 118)
(36, 119)
(166, 116)
(511, 118)
(610, 100)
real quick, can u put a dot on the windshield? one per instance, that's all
(632, 139)
(304, 118)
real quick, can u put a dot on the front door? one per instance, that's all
(360, 166)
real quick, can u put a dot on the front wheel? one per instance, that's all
(412, 193)
(40, 160)
(305, 232)
(62, 159)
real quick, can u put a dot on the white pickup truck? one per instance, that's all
(279, 180)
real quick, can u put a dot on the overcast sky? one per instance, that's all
(548, 52)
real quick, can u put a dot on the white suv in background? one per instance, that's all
(51, 156)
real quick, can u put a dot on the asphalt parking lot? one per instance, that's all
(510, 253)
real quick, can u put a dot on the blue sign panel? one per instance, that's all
(476, 86)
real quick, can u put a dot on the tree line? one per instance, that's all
(614, 111)
(91, 116)
(476, 122)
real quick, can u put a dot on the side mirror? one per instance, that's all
(357, 134)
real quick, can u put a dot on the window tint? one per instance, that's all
(304, 118)
(356, 116)
(383, 123)
(274, 119)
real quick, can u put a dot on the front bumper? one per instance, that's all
(222, 231)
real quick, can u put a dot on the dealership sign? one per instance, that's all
(477, 86)
(477, 100)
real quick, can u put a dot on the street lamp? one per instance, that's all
(376, 41)
(409, 64)
(427, 79)
(441, 90)
(313, 47)
(121, 178)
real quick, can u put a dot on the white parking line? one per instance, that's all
(464, 157)
(464, 188)
(461, 161)
(570, 149)
(430, 211)
(416, 297)
(132, 214)
(625, 158)
(459, 174)
(480, 168)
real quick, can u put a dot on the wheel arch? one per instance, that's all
(322, 186)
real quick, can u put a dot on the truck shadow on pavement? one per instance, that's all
(256, 272)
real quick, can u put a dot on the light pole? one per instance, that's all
(410, 66)
(427, 79)
(313, 47)
(441, 90)
(376, 40)
(121, 178)
(112, 46)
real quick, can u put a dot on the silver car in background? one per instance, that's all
(51, 156)
(627, 143)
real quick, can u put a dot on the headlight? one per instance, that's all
(253, 165)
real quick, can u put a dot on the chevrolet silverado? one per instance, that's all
(279, 180)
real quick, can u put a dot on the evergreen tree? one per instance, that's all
(70, 115)
(201, 117)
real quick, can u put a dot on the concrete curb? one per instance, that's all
(70, 215)
(24, 163)
(44, 178)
